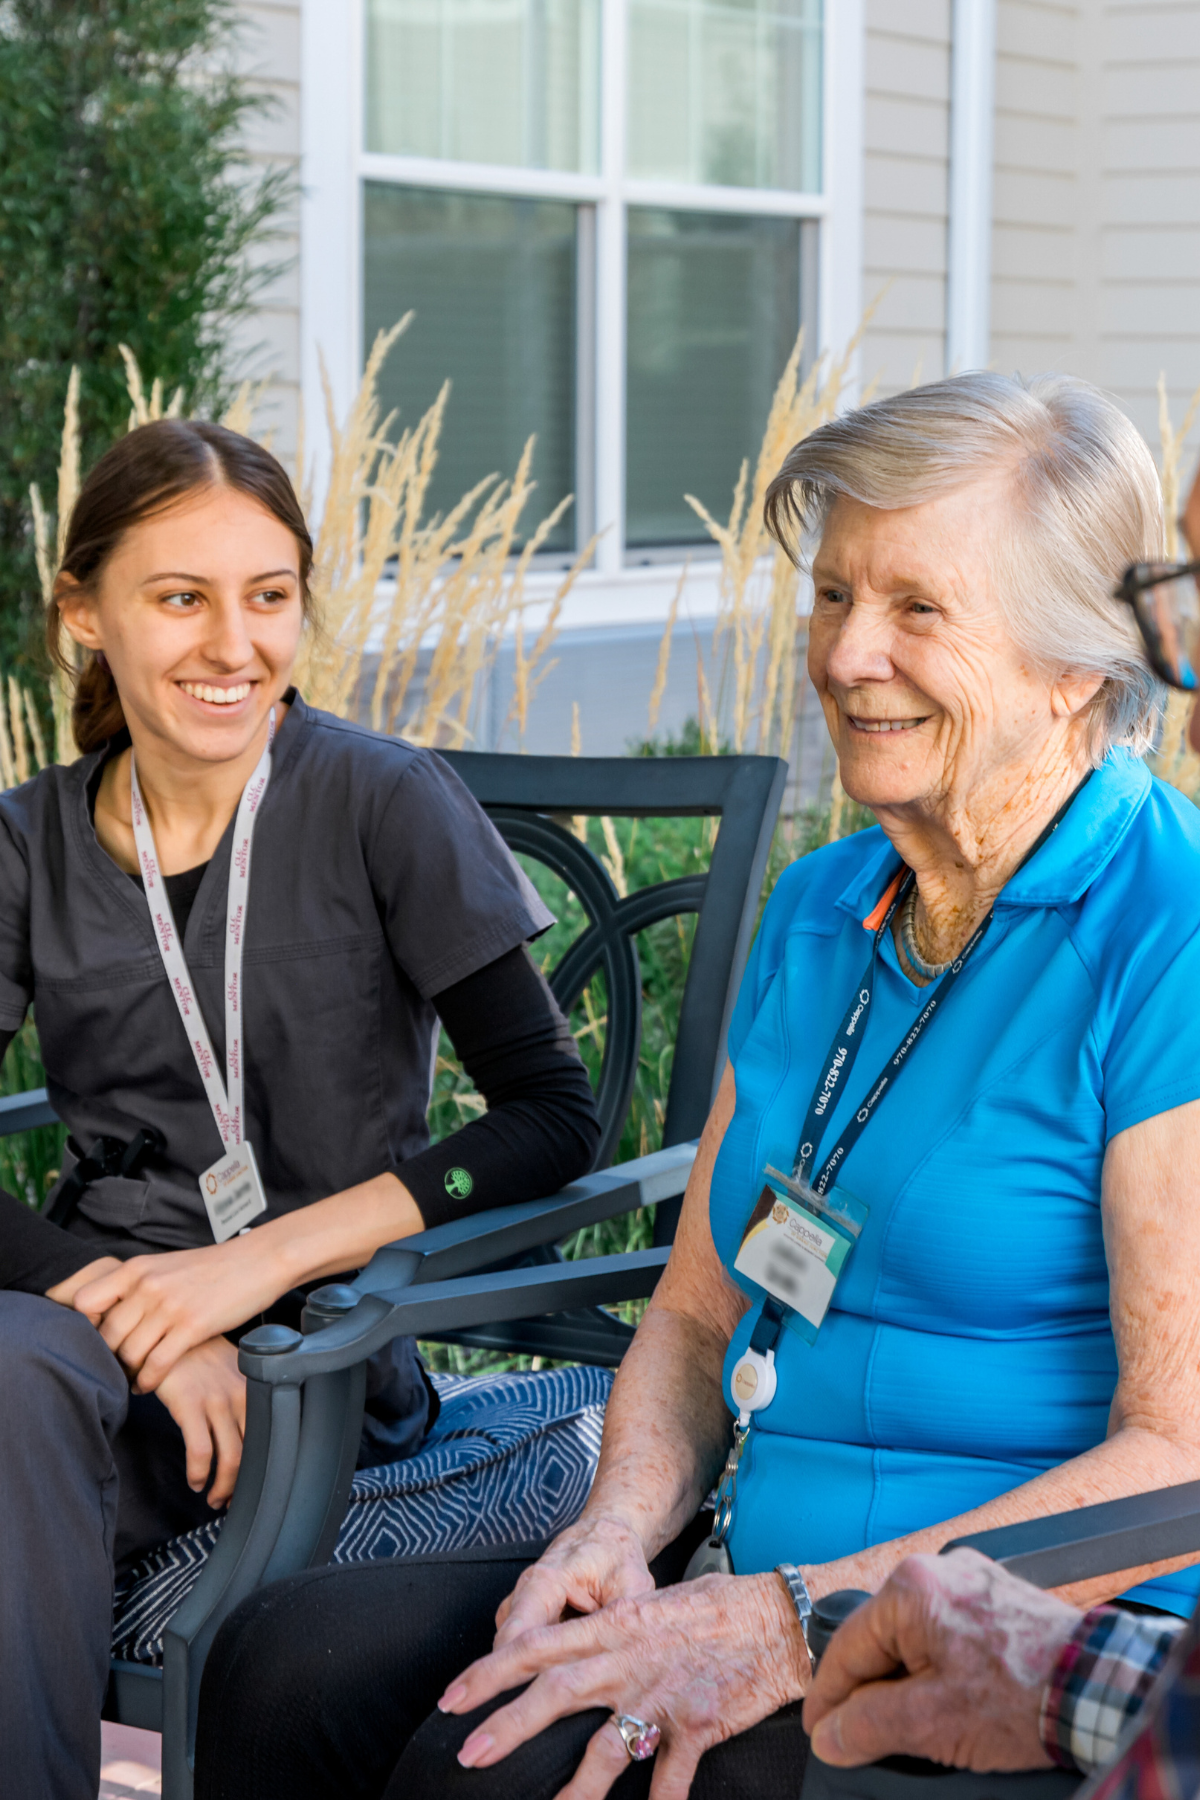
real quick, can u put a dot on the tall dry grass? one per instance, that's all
(395, 589)
(752, 672)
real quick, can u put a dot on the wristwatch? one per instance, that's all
(798, 1592)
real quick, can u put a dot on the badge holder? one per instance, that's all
(796, 1246)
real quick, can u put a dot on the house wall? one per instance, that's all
(266, 343)
(1096, 233)
(906, 183)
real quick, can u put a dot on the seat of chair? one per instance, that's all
(509, 1460)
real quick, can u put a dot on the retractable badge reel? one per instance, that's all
(753, 1383)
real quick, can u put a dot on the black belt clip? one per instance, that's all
(108, 1156)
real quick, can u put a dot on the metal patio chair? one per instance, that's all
(496, 1279)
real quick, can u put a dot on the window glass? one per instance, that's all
(497, 81)
(492, 282)
(726, 91)
(714, 308)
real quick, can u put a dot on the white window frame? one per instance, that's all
(335, 165)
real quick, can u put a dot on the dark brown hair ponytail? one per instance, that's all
(145, 473)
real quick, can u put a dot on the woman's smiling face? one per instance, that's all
(926, 694)
(198, 613)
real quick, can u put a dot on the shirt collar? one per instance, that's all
(1088, 837)
(1067, 864)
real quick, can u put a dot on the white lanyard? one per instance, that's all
(225, 1100)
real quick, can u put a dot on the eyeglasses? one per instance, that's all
(1165, 598)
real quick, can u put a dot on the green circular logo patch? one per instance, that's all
(458, 1183)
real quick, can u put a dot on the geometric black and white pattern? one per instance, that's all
(510, 1458)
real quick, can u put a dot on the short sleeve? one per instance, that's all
(765, 955)
(16, 966)
(452, 897)
(1151, 1059)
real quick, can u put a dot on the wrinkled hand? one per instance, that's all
(978, 1646)
(205, 1394)
(598, 1559)
(154, 1309)
(704, 1661)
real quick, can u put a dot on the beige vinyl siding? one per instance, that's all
(1147, 259)
(1096, 233)
(1037, 316)
(905, 184)
(266, 344)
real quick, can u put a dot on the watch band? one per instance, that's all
(798, 1593)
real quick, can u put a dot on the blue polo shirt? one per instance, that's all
(968, 1346)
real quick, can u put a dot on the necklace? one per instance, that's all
(908, 938)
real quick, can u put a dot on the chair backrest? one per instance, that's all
(523, 793)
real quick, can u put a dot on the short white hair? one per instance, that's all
(1087, 503)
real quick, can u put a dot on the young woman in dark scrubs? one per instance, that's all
(379, 900)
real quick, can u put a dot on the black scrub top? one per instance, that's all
(376, 881)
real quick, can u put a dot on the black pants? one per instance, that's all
(325, 1687)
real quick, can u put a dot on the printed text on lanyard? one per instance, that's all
(231, 1188)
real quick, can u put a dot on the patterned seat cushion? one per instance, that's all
(510, 1459)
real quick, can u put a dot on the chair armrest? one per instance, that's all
(488, 1237)
(453, 1306)
(22, 1112)
(304, 1405)
(1096, 1540)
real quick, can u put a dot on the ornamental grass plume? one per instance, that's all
(758, 634)
(393, 588)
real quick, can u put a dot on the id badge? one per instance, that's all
(796, 1246)
(233, 1192)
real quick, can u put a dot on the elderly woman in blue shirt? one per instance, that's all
(1015, 1329)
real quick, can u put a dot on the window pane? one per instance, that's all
(714, 307)
(498, 81)
(492, 282)
(726, 91)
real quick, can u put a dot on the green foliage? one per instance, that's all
(689, 740)
(126, 209)
(30, 1162)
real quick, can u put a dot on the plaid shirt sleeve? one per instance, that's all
(1100, 1682)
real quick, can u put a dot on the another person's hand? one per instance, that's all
(948, 1661)
(594, 1561)
(152, 1310)
(205, 1394)
(704, 1660)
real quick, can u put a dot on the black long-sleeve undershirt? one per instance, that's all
(539, 1132)
(541, 1128)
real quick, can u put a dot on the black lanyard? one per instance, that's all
(844, 1051)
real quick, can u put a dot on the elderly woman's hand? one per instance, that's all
(598, 1559)
(704, 1661)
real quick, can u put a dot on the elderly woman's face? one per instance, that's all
(925, 693)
